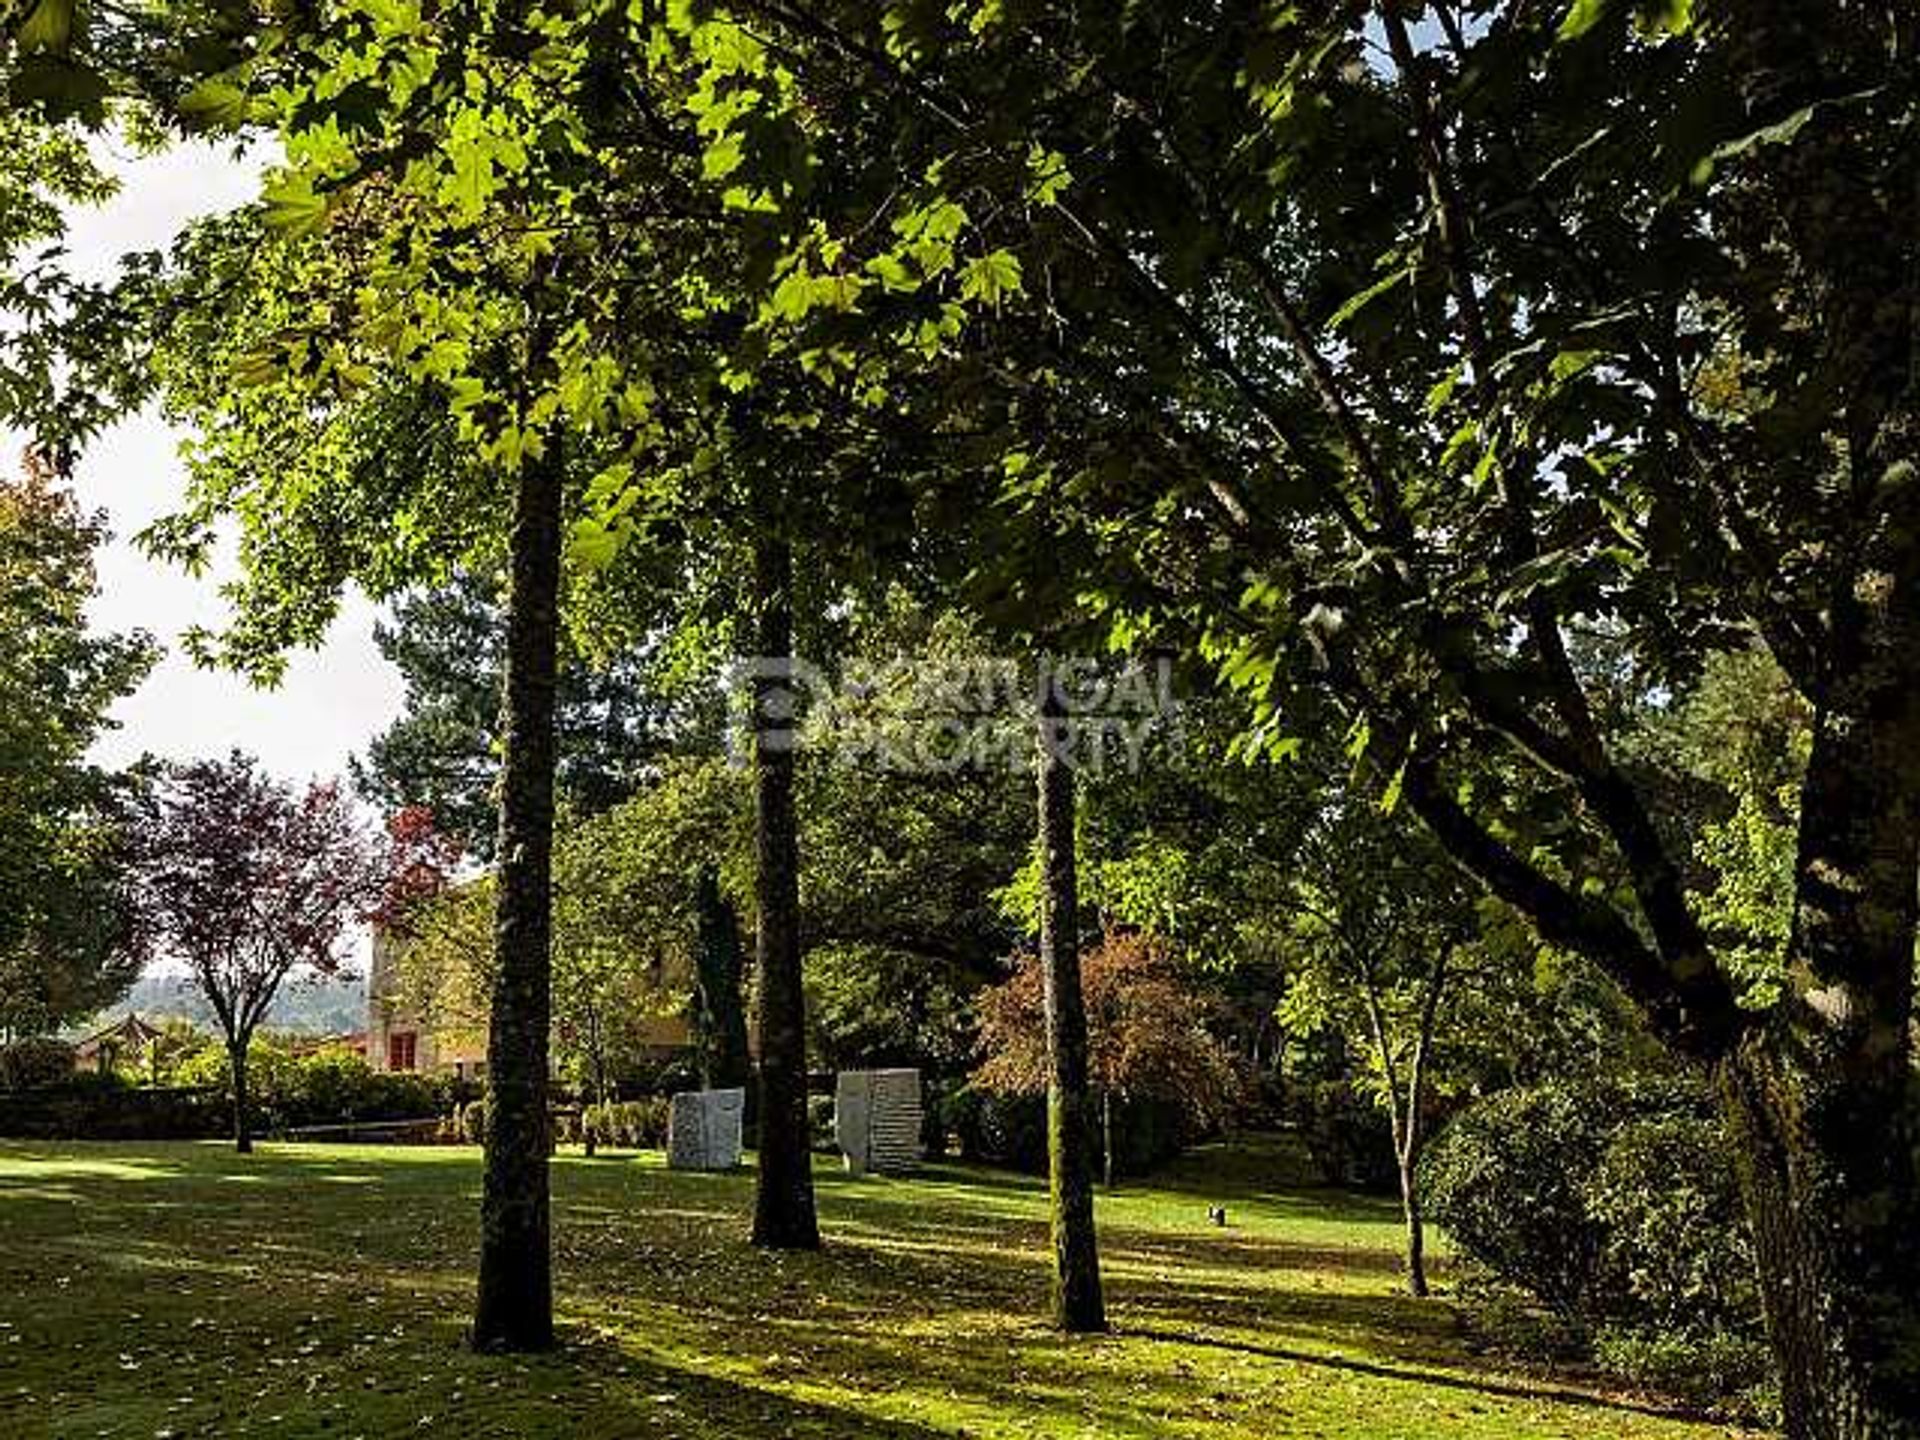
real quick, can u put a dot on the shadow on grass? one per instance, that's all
(927, 1300)
(674, 1397)
(1504, 1390)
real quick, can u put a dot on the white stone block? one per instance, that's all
(704, 1129)
(876, 1119)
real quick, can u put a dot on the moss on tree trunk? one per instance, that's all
(1830, 1198)
(1078, 1305)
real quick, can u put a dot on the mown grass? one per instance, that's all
(177, 1290)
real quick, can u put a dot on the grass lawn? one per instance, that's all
(178, 1290)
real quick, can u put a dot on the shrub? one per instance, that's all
(820, 1122)
(101, 1109)
(629, 1124)
(643, 1075)
(1716, 1370)
(994, 1129)
(1348, 1137)
(94, 1083)
(35, 1062)
(328, 1087)
(1674, 1239)
(1616, 1205)
(205, 1069)
(1509, 1321)
(997, 1129)
(403, 1095)
(1505, 1179)
(1148, 1132)
(473, 1122)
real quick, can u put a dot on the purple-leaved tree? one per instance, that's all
(247, 881)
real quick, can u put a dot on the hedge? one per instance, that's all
(95, 1108)
(35, 1062)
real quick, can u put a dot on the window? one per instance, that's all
(401, 1050)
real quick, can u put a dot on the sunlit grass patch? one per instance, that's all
(143, 1290)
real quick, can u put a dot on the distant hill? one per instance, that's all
(326, 1007)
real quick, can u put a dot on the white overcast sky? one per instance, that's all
(332, 701)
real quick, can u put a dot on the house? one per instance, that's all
(126, 1041)
(397, 1038)
(353, 1041)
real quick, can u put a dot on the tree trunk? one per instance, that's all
(1108, 1163)
(1823, 1095)
(597, 1069)
(1406, 1105)
(242, 1118)
(1078, 1305)
(783, 1211)
(1829, 1190)
(725, 1063)
(515, 1307)
(1416, 1224)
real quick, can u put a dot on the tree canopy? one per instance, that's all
(1454, 384)
(69, 941)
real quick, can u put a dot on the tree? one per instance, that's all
(1385, 925)
(1145, 1036)
(514, 1310)
(914, 807)
(1425, 418)
(473, 360)
(1078, 1305)
(720, 1012)
(443, 751)
(68, 946)
(783, 1214)
(249, 882)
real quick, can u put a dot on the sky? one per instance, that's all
(333, 700)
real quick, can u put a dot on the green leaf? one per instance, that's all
(722, 157)
(1390, 797)
(214, 103)
(593, 545)
(1584, 15)
(47, 28)
(1442, 392)
(990, 277)
(892, 274)
(1668, 17)
(293, 207)
(58, 85)
(1358, 738)
(1367, 296)
(1568, 364)
(1048, 175)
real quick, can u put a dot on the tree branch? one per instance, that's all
(1691, 1007)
